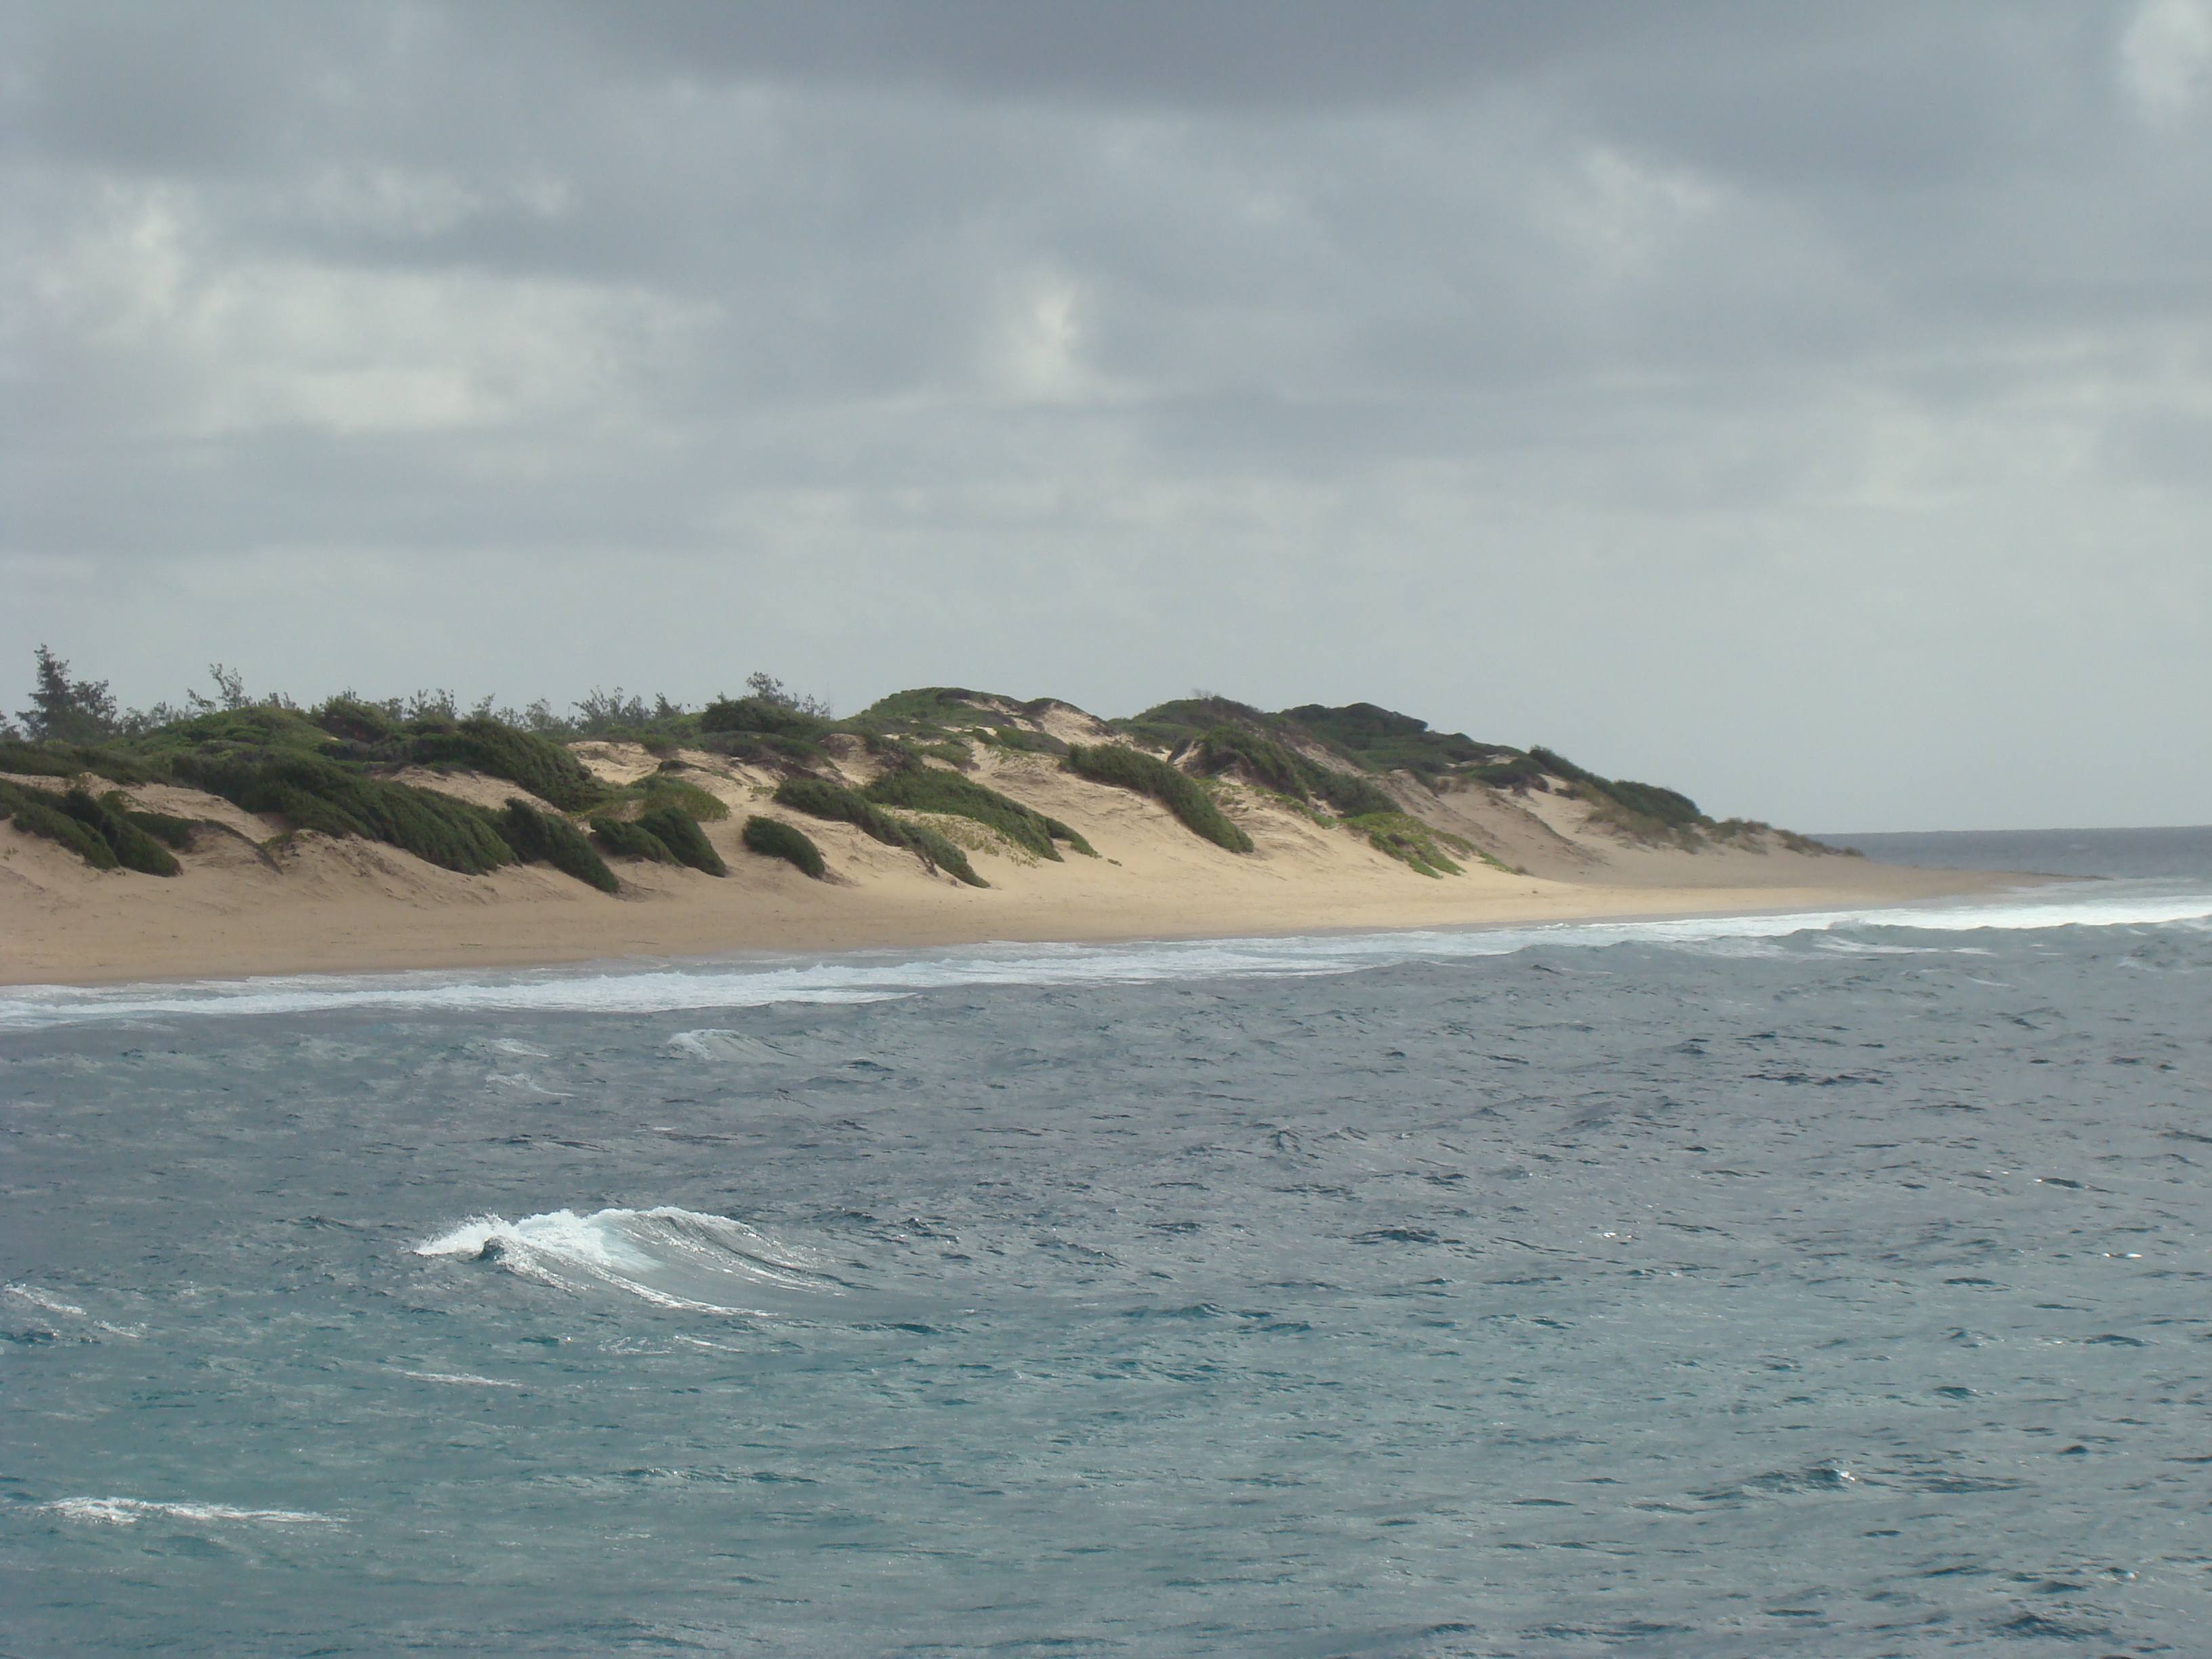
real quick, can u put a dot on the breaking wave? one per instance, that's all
(669, 1257)
(130, 1512)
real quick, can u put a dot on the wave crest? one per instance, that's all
(670, 1257)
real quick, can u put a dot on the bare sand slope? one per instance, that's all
(254, 900)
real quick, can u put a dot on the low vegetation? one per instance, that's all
(945, 721)
(630, 840)
(134, 848)
(39, 819)
(312, 794)
(173, 832)
(37, 812)
(774, 839)
(1383, 740)
(481, 743)
(686, 842)
(1412, 842)
(1224, 748)
(547, 838)
(1182, 794)
(1642, 811)
(665, 788)
(820, 799)
(930, 789)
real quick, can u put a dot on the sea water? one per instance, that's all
(1787, 1286)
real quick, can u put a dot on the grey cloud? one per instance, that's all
(1490, 360)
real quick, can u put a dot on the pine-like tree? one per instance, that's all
(73, 711)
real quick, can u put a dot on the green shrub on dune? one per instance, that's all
(261, 725)
(170, 831)
(681, 834)
(1642, 809)
(36, 760)
(1412, 843)
(1669, 806)
(1287, 772)
(927, 789)
(1519, 772)
(543, 838)
(1147, 775)
(320, 794)
(772, 838)
(630, 840)
(664, 789)
(763, 716)
(545, 768)
(133, 847)
(817, 797)
(70, 760)
(35, 818)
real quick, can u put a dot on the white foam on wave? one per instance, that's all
(39, 1299)
(130, 1512)
(670, 1257)
(45, 1304)
(873, 976)
(722, 1046)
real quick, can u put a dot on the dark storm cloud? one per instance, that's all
(1723, 322)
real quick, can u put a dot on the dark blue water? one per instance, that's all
(1831, 1287)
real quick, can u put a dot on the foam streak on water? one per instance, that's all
(1778, 1288)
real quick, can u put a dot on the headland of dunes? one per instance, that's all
(261, 837)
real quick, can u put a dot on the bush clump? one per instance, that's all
(774, 839)
(133, 847)
(630, 840)
(926, 789)
(542, 838)
(765, 716)
(543, 767)
(353, 720)
(32, 761)
(320, 794)
(819, 799)
(1411, 841)
(1669, 806)
(685, 841)
(664, 789)
(254, 726)
(170, 831)
(68, 760)
(36, 818)
(1287, 772)
(1132, 768)
(1521, 772)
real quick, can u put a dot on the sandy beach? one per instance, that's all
(256, 900)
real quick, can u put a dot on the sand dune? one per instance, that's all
(256, 900)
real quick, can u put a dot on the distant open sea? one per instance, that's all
(1833, 1285)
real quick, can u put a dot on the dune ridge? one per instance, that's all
(1480, 835)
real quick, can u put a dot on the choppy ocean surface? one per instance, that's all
(1810, 1286)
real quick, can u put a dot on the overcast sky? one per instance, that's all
(1805, 406)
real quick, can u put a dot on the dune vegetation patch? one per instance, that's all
(1412, 842)
(547, 838)
(1182, 794)
(624, 839)
(931, 789)
(686, 842)
(818, 798)
(772, 838)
